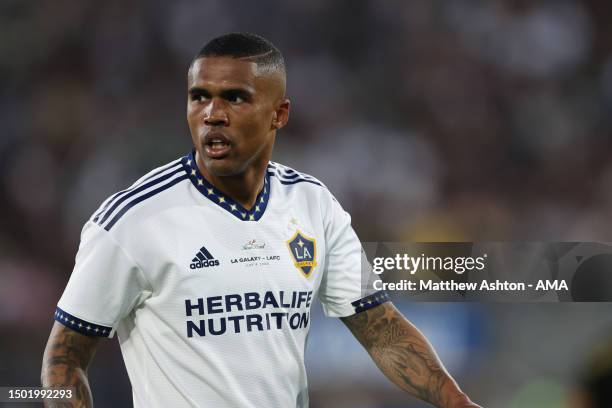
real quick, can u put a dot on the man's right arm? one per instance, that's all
(67, 355)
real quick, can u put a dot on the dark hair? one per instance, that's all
(245, 45)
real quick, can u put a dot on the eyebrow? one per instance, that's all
(195, 90)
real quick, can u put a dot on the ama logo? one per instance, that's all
(203, 259)
(303, 252)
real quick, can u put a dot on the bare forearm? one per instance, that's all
(412, 364)
(404, 355)
(61, 375)
(65, 365)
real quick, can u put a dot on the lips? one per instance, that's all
(217, 145)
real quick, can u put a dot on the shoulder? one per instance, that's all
(308, 188)
(287, 176)
(151, 190)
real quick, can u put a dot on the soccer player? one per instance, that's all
(206, 268)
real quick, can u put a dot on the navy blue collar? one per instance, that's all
(222, 200)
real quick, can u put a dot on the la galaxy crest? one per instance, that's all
(303, 252)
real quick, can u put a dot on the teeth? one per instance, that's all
(217, 144)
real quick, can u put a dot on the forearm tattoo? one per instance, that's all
(65, 362)
(403, 354)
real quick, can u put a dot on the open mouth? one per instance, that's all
(217, 146)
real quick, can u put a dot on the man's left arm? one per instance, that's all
(405, 356)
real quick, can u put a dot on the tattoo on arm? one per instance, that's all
(403, 354)
(65, 362)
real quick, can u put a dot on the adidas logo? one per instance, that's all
(203, 259)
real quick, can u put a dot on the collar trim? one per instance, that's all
(223, 200)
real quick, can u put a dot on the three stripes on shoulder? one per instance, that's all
(288, 176)
(154, 183)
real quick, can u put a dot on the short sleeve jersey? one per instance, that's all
(211, 301)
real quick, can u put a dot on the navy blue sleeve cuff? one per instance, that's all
(80, 325)
(368, 302)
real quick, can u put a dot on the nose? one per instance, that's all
(215, 114)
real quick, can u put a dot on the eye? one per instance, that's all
(198, 97)
(236, 96)
(235, 99)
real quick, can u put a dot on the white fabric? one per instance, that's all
(137, 278)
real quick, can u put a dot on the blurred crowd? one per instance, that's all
(429, 120)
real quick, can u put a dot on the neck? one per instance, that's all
(242, 188)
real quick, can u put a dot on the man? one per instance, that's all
(206, 268)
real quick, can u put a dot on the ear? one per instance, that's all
(281, 113)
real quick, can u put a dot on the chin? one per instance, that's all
(222, 167)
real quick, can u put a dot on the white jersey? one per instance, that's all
(210, 301)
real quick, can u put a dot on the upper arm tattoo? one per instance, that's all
(400, 351)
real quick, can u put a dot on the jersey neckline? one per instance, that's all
(221, 199)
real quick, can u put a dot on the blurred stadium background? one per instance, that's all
(429, 120)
